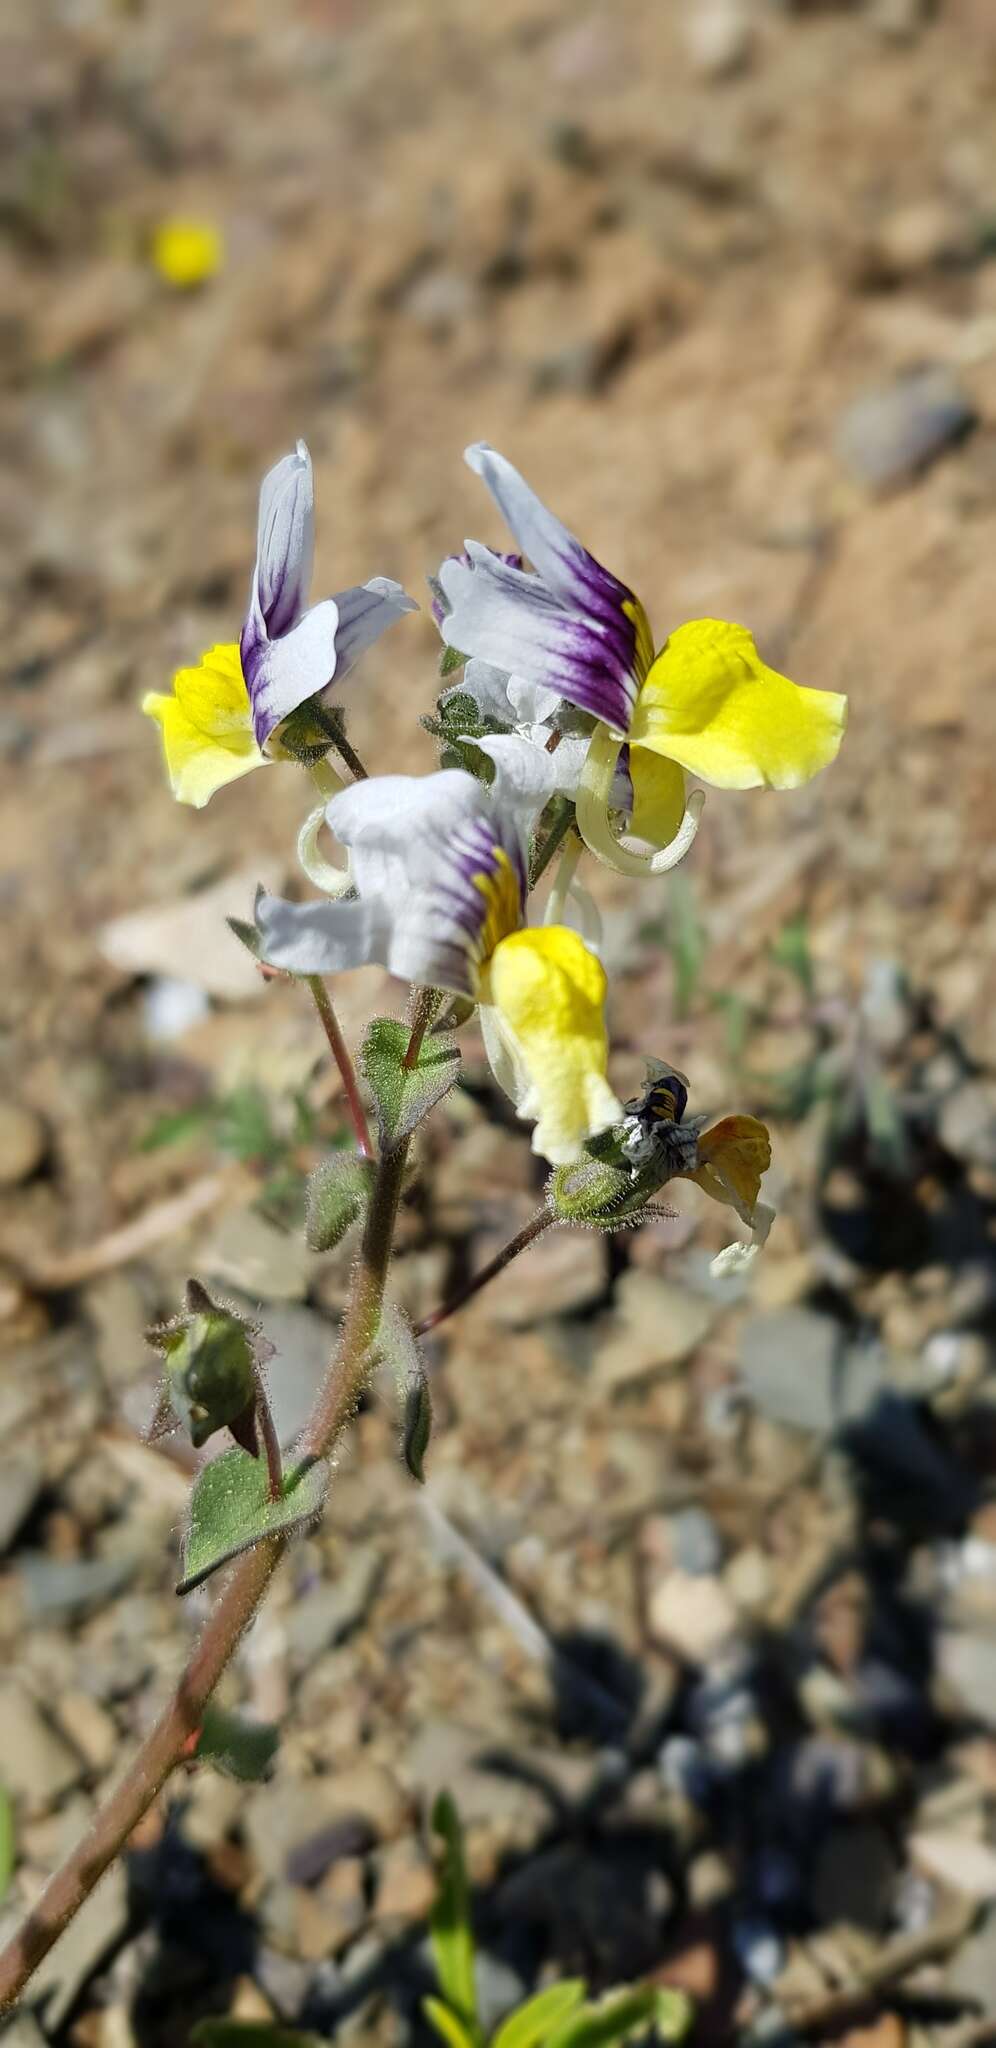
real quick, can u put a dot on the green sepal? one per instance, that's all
(598, 1193)
(338, 1193)
(236, 1746)
(210, 1355)
(405, 1095)
(306, 734)
(530, 2025)
(449, 661)
(450, 1931)
(231, 1510)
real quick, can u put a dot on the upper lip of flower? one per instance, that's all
(290, 652)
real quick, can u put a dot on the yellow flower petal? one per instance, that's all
(548, 992)
(710, 703)
(187, 252)
(654, 807)
(206, 727)
(734, 1154)
(658, 797)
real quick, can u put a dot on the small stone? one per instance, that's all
(718, 38)
(189, 939)
(901, 21)
(564, 1272)
(57, 1588)
(890, 434)
(406, 1884)
(749, 1581)
(42, 1767)
(968, 1124)
(22, 1476)
(328, 1614)
(302, 1343)
(760, 1949)
(853, 1877)
(657, 1325)
(89, 1728)
(100, 1922)
(281, 1818)
(696, 1542)
(692, 1614)
(342, 1897)
(963, 1864)
(263, 1262)
(790, 1359)
(918, 237)
(499, 1990)
(972, 1972)
(22, 1143)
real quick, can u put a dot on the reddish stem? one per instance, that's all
(341, 1055)
(527, 1236)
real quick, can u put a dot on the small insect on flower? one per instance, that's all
(223, 717)
(187, 252)
(653, 1132)
(727, 1160)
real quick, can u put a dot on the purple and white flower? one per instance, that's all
(290, 653)
(439, 866)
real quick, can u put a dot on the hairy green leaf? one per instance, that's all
(449, 1922)
(338, 1192)
(405, 1095)
(230, 1510)
(531, 2024)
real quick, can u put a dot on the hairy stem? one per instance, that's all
(234, 1609)
(527, 1236)
(341, 1055)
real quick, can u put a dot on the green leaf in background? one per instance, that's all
(449, 1922)
(338, 1192)
(230, 1510)
(448, 2027)
(404, 1096)
(791, 950)
(531, 2025)
(8, 1845)
(622, 2015)
(250, 2034)
(686, 942)
(238, 1747)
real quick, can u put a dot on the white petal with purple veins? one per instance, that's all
(281, 674)
(365, 612)
(285, 542)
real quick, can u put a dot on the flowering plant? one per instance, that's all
(566, 734)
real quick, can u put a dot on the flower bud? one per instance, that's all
(210, 1365)
(599, 1193)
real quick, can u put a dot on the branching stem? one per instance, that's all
(526, 1236)
(170, 1740)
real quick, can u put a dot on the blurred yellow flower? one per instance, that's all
(187, 252)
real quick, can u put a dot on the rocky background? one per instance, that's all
(696, 1616)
